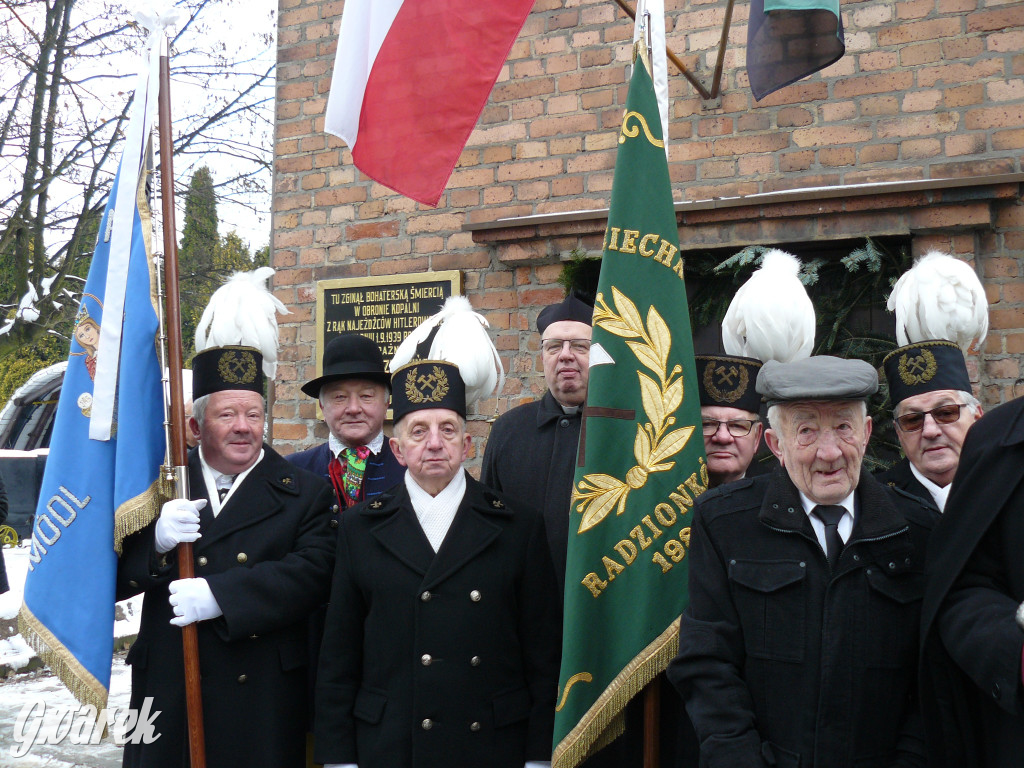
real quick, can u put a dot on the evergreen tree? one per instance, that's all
(205, 260)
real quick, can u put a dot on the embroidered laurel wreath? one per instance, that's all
(599, 494)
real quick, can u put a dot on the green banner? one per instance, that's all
(642, 454)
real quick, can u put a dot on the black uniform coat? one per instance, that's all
(267, 558)
(784, 663)
(531, 456)
(899, 475)
(439, 660)
(971, 659)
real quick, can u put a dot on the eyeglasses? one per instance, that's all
(554, 346)
(736, 427)
(914, 421)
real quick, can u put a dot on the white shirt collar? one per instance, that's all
(845, 526)
(211, 477)
(939, 494)
(436, 513)
(336, 446)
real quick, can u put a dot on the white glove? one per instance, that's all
(178, 522)
(192, 600)
(538, 764)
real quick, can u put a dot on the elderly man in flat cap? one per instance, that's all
(443, 615)
(531, 450)
(799, 646)
(353, 395)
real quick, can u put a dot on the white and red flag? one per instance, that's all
(411, 78)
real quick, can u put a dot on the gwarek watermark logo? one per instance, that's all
(39, 724)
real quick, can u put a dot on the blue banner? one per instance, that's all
(95, 492)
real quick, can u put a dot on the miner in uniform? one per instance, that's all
(441, 642)
(934, 407)
(729, 405)
(263, 557)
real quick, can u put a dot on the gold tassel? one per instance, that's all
(82, 684)
(606, 713)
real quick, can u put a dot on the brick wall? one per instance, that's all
(928, 90)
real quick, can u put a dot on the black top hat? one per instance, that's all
(222, 368)
(728, 381)
(427, 384)
(571, 308)
(927, 366)
(349, 356)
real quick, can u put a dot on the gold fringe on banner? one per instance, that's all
(606, 714)
(135, 514)
(82, 684)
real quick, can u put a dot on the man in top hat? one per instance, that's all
(799, 644)
(531, 450)
(972, 690)
(729, 405)
(353, 395)
(931, 391)
(263, 558)
(443, 611)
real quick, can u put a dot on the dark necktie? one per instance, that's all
(830, 515)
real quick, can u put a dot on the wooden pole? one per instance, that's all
(716, 77)
(177, 446)
(652, 717)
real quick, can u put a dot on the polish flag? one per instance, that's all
(411, 78)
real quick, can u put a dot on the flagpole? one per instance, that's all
(176, 446)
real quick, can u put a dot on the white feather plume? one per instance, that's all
(243, 312)
(462, 339)
(771, 317)
(940, 297)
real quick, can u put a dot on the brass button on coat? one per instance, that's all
(475, 661)
(475, 595)
(242, 557)
(426, 660)
(242, 678)
(425, 597)
(474, 727)
(202, 560)
(427, 724)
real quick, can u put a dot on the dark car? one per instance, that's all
(26, 423)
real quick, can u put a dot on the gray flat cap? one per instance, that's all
(819, 377)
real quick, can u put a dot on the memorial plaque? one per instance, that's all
(385, 309)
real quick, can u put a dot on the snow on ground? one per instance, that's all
(27, 689)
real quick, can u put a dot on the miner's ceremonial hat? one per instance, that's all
(424, 384)
(217, 369)
(728, 381)
(927, 366)
(349, 356)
